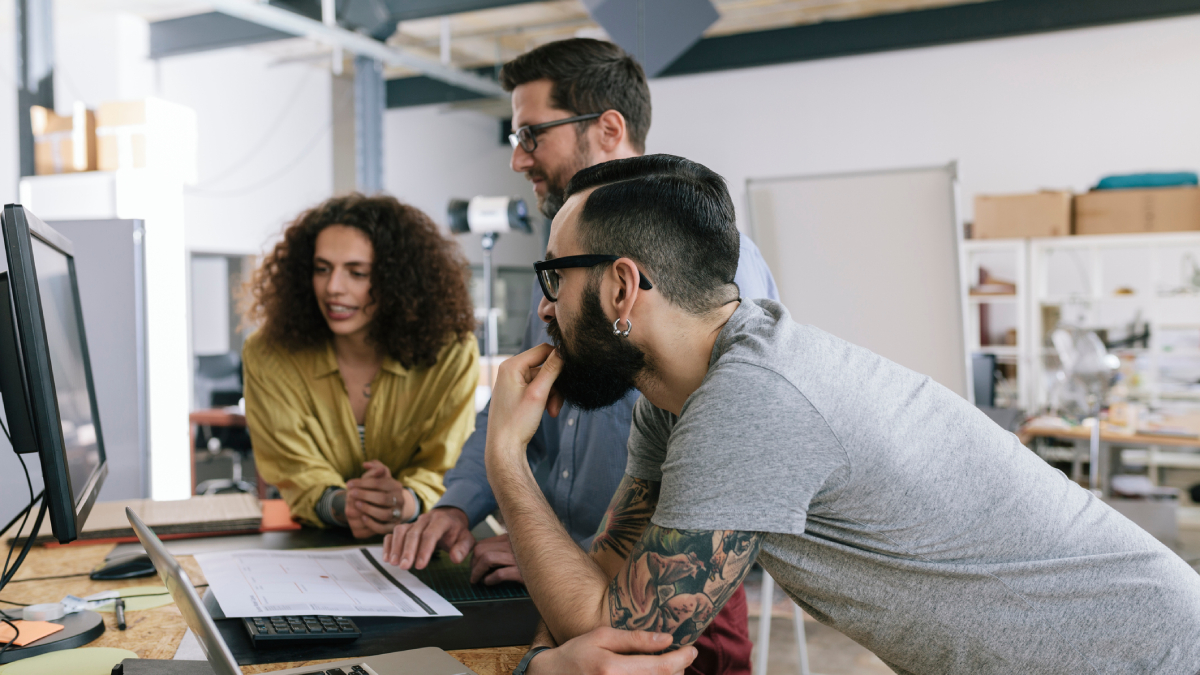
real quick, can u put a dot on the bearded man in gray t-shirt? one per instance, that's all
(884, 504)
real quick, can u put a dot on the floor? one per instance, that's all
(829, 652)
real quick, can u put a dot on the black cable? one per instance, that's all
(20, 513)
(37, 526)
(16, 634)
(61, 576)
(123, 597)
(6, 434)
(32, 500)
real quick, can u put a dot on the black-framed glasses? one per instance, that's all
(526, 136)
(550, 280)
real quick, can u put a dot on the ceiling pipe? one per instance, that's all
(329, 18)
(289, 22)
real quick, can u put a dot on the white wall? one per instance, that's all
(265, 146)
(100, 55)
(433, 155)
(9, 151)
(1019, 114)
(264, 150)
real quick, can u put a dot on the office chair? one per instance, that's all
(764, 630)
(218, 383)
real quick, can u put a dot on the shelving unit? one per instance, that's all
(1005, 259)
(1114, 283)
(1104, 283)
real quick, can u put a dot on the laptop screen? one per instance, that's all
(184, 593)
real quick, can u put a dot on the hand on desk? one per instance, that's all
(611, 651)
(412, 544)
(371, 501)
(495, 562)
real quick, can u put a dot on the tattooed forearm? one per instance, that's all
(676, 581)
(627, 516)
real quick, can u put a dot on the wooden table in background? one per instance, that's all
(156, 633)
(218, 417)
(1080, 439)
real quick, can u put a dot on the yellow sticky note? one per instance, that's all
(30, 631)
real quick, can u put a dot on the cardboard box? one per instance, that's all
(1126, 211)
(147, 134)
(1040, 214)
(63, 144)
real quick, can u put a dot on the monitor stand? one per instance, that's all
(79, 629)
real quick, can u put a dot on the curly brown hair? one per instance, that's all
(418, 279)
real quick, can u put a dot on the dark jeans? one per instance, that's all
(725, 646)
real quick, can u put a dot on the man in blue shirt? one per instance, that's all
(578, 457)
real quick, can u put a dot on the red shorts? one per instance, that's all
(725, 646)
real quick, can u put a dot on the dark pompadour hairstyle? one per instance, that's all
(672, 216)
(589, 76)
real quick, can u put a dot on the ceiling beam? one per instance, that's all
(888, 32)
(407, 10)
(923, 28)
(214, 30)
(205, 32)
(289, 22)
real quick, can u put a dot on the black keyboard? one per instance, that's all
(353, 670)
(274, 630)
(453, 582)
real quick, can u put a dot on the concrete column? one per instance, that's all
(34, 71)
(370, 100)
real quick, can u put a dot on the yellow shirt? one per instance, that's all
(305, 437)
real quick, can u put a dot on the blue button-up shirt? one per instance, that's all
(578, 457)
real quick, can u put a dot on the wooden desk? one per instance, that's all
(156, 633)
(1111, 438)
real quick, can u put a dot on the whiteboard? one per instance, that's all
(871, 257)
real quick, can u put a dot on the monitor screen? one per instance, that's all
(45, 371)
(64, 340)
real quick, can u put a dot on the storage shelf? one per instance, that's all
(999, 350)
(1096, 266)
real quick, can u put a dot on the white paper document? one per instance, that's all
(348, 582)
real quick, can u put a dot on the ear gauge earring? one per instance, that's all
(622, 333)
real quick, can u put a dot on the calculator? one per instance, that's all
(281, 630)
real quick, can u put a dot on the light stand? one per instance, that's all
(489, 217)
(491, 341)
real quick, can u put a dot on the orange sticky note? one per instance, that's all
(30, 631)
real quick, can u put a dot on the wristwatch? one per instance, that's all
(520, 669)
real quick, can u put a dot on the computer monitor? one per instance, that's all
(45, 370)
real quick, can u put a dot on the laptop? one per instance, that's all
(426, 661)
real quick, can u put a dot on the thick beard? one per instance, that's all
(601, 368)
(552, 201)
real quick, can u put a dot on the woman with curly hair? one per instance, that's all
(360, 382)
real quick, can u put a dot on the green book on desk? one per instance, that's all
(453, 582)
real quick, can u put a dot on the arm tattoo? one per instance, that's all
(676, 581)
(627, 516)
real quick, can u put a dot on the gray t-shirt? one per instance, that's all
(899, 514)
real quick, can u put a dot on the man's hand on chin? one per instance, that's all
(523, 389)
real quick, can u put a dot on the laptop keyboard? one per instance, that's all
(284, 629)
(353, 670)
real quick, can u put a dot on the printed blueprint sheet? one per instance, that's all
(348, 582)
